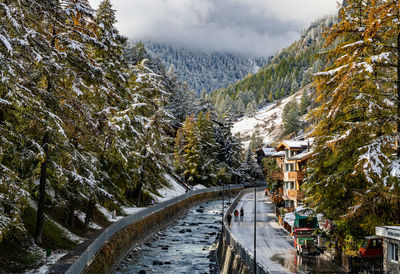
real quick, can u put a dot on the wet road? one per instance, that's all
(275, 249)
(182, 247)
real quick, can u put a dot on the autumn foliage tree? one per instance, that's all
(354, 173)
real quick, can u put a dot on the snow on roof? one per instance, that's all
(295, 144)
(279, 154)
(269, 151)
(301, 144)
(394, 227)
(302, 155)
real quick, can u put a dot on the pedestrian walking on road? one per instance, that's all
(241, 213)
(236, 214)
(229, 219)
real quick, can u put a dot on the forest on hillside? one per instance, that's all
(287, 72)
(203, 70)
(87, 126)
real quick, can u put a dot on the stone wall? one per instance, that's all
(229, 261)
(116, 247)
(390, 267)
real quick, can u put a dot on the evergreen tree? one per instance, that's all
(256, 141)
(290, 118)
(304, 103)
(251, 109)
(353, 160)
(208, 151)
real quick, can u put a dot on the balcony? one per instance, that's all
(296, 175)
(276, 175)
(294, 194)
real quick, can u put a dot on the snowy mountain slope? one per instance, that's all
(269, 120)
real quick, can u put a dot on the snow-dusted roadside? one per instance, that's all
(51, 260)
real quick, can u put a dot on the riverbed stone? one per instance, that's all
(156, 262)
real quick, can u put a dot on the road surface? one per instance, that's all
(275, 249)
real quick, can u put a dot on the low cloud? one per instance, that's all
(258, 27)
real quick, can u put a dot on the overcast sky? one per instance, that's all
(259, 27)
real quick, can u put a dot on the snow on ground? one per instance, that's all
(52, 259)
(269, 120)
(70, 236)
(196, 187)
(174, 190)
(131, 210)
(109, 214)
(289, 218)
(82, 216)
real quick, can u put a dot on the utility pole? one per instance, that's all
(229, 194)
(255, 225)
(222, 229)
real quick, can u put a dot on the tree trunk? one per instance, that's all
(139, 190)
(88, 213)
(398, 113)
(42, 192)
(398, 95)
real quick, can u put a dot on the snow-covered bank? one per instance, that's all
(174, 190)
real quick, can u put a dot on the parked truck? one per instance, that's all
(304, 228)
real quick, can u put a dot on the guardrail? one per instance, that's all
(97, 244)
(243, 252)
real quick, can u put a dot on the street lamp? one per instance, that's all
(255, 225)
(222, 229)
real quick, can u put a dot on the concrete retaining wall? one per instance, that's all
(121, 242)
(228, 259)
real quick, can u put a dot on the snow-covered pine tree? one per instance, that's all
(191, 150)
(354, 136)
(256, 140)
(290, 118)
(208, 152)
(229, 147)
(182, 99)
(151, 121)
(13, 43)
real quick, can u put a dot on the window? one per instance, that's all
(286, 153)
(289, 185)
(393, 252)
(289, 167)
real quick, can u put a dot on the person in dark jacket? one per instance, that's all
(229, 219)
(241, 213)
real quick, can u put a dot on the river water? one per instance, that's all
(182, 247)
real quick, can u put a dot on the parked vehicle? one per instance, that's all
(304, 240)
(301, 221)
(371, 247)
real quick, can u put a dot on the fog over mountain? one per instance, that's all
(256, 27)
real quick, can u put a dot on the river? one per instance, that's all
(182, 247)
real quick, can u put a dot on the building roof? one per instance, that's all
(294, 144)
(278, 154)
(268, 151)
(392, 232)
(302, 156)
